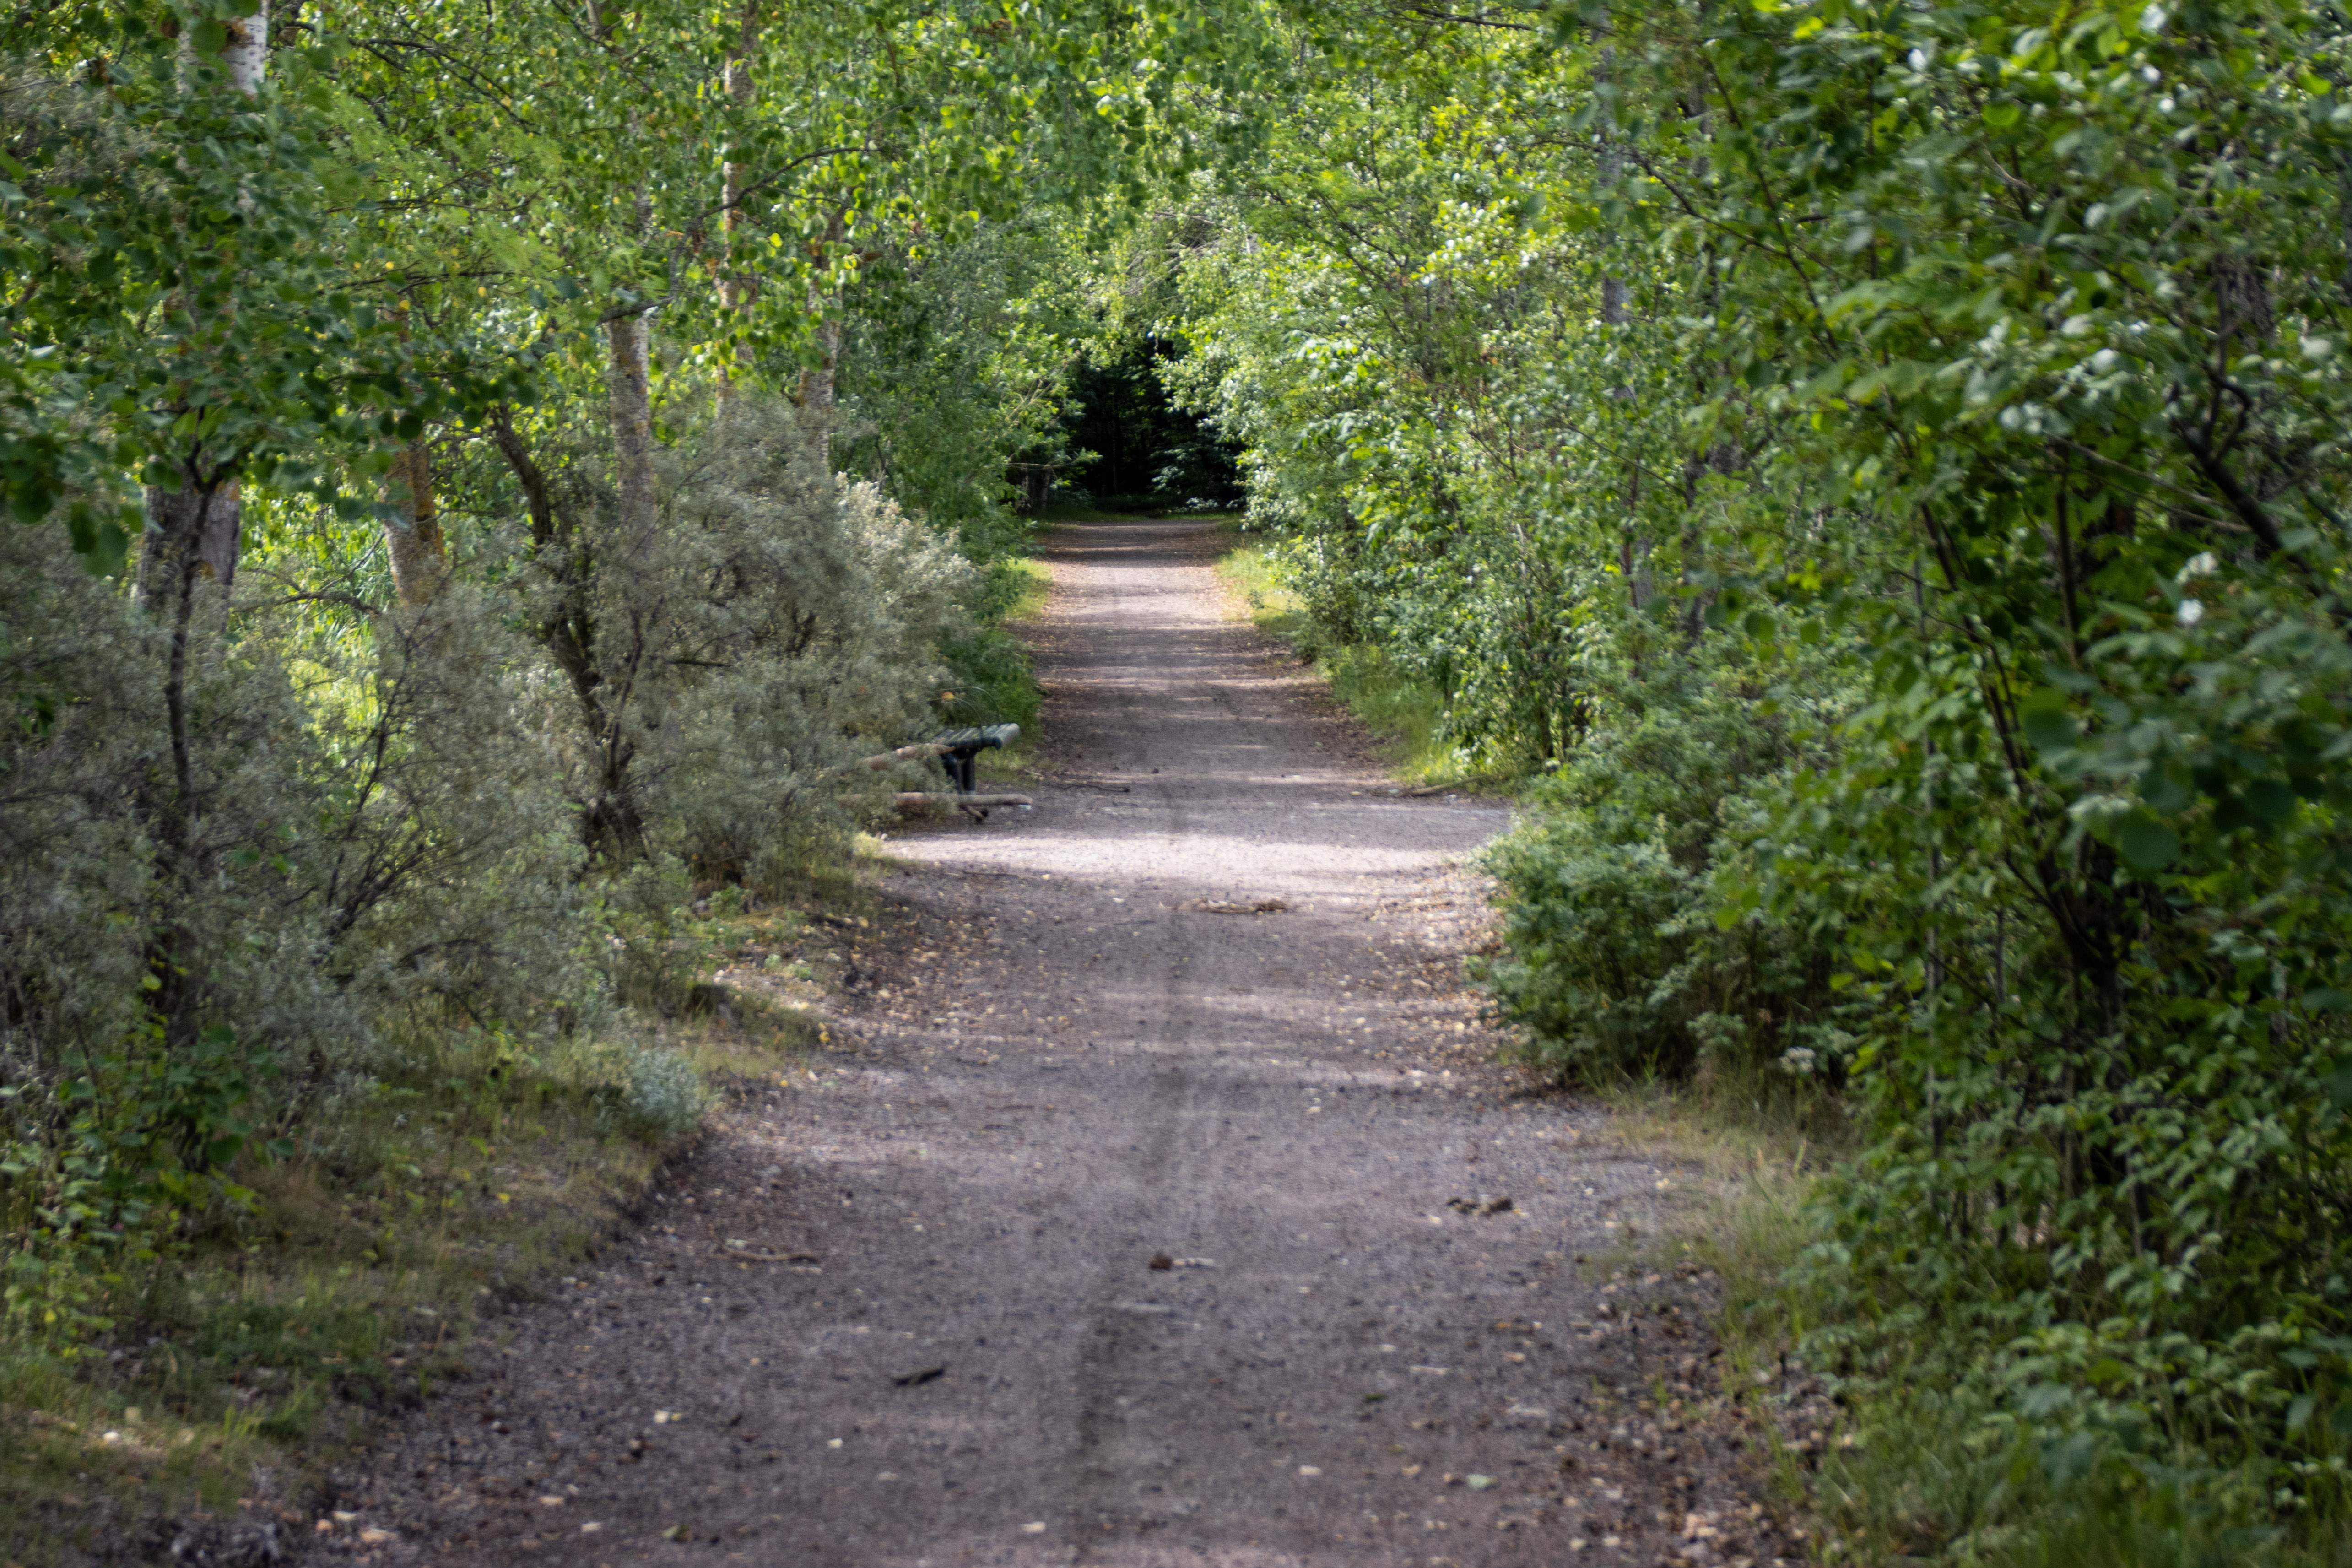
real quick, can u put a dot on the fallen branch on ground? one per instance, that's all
(918, 800)
(906, 755)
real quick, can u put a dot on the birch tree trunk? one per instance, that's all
(191, 532)
(247, 55)
(816, 384)
(631, 381)
(735, 292)
(419, 556)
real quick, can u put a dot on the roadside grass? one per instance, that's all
(1030, 581)
(1403, 708)
(1918, 1482)
(1926, 1481)
(1033, 580)
(1758, 1142)
(260, 1347)
(472, 1172)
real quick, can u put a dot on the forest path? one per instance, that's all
(904, 1312)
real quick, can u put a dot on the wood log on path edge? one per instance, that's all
(905, 754)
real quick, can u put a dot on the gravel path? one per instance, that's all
(1152, 1204)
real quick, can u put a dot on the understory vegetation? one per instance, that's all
(1869, 478)
(1872, 477)
(1384, 694)
(467, 529)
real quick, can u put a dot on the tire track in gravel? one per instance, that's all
(953, 1347)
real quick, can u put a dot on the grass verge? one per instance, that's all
(1031, 580)
(1911, 1475)
(1028, 582)
(266, 1345)
(1403, 708)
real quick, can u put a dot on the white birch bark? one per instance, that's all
(631, 382)
(735, 292)
(247, 55)
(191, 533)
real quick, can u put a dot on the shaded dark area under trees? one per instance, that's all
(1147, 452)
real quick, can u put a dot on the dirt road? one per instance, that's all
(1153, 1206)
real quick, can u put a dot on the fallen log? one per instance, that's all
(918, 800)
(906, 755)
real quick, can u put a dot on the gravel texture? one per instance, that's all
(1153, 1203)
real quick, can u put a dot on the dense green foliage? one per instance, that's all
(1613, 961)
(1883, 464)
(508, 463)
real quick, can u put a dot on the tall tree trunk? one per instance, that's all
(631, 382)
(624, 651)
(413, 539)
(611, 825)
(736, 291)
(630, 640)
(816, 383)
(192, 533)
(201, 516)
(186, 529)
(247, 55)
(419, 556)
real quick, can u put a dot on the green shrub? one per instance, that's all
(664, 1095)
(1613, 963)
(990, 680)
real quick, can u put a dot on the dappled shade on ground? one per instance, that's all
(1114, 1227)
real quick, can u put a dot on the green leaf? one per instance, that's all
(2145, 844)
(2164, 792)
(2272, 801)
(110, 551)
(2048, 726)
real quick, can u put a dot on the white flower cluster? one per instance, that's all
(2201, 564)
